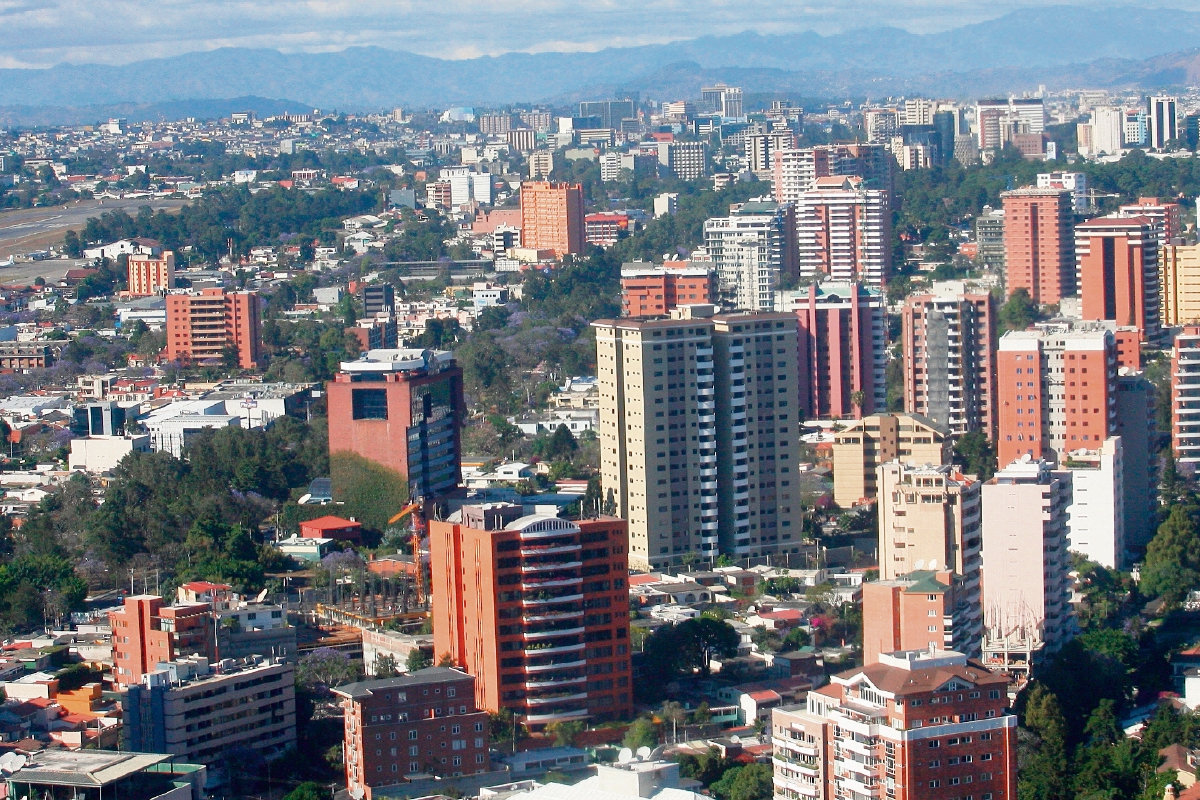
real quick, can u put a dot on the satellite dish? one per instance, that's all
(6, 761)
(932, 565)
(657, 753)
(643, 752)
(357, 793)
(20, 762)
(261, 596)
(625, 756)
(735, 739)
(921, 563)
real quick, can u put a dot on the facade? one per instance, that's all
(1179, 283)
(761, 149)
(1108, 129)
(1038, 245)
(913, 726)
(724, 100)
(552, 217)
(188, 709)
(1096, 516)
(22, 356)
(862, 446)
(379, 298)
(146, 631)
(541, 164)
(843, 348)
(844, 231)
(536, 608)
(924, 610)
(929, 519)
(1136, 426)
(1118, 279)
(1074, 182)
(1162, 121)
(425, 723)
(1185, 398)
(949, 344)
(1166, 216)
(148, 274)
(989, 236)
(1056, 391)
(650, 291)
(687, 161)
(210, 323)
(1026, 609)
(796, 171)
(752, 249)
(402, 409)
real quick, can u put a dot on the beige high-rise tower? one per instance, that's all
(863, 445)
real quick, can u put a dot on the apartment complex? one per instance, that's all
(915, 725)
(687, 161)
(1185, 398)
(402, 409)
(862, 446)
(424, 723)
(1179, 283)
(379, 298)
(652, 291)
(201, 711)
(989, 236)
(949, 345)
(1166, 216)
(552, 217)
(752, 250)
(796, 171)
(844, 231)
(1038, 244)
(146, 631)
(149, 274)
(924, 610)
(536, 608)
(1097, 511)
(1056, 391)
(1118, 276)
(843, 348)
(762, 147)
(212, 323)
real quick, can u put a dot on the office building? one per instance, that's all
(929, 518)
(949, 344)
(998, 120)
(648, 290)
(147, 631)
(1166, 216)
(402, 409)
(612, 163)
(522, 140)
(1108, 131)
(796, 171)
(881, 124)
(610, 112)
(1038, 246)
(861, 446)
(1136, 427)
(380, 333)
(1096, 514)
(874, 729)
(1180, 284)
(1073, 182)
(1026, 589)
(989, 237)
(752, 249)
(536, 608)
(541, 164)
(761, 149)
(379, 298)
(214, 324)
(58, 772)
(1185, 399)
(1137, 127)
(1056, 387)
(1117, 259)
(201, 711)
(498, 124)
(723, 100)
(844, 231)
(1162, 122)
(843, 348)
(552, 217)
(924, 610)
(919, 111)
(686, 161)
(666, 204)
(424, 723)
(149, 274)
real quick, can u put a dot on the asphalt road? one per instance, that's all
(27, 230)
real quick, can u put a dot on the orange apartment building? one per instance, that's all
(923, 609)
(913, 726)
(203, 325)
(1118, 272)
(537, 609)
(1038, 247)
(146, 631)
(425, 722)
(552, 217)
(148, 274)
(653, 291)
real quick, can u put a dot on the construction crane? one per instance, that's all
(418, 533)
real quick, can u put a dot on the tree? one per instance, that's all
(640, 734)
(1018, 312)
(1044, 775)
(71, 245)
(672, 714)
(975, 455)
(1172, 566)
(309, 790)
(565, 731)
(417, 660)
(324, 668)
(385, 666)
(562, 444)
(703, 714)
(751, 782)
(699, 639)
(796, 638)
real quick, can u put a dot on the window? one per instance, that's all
(479, 727)
(411, 735)
(934, 784)
(414, 750)
(450, 691)
(369, 403)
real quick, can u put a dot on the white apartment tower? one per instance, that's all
(1162, 121)
(751, 250)
(796, 171)
(1096, 524)
(1108, 129)
(844, 231)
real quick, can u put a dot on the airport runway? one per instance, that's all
(30, 229)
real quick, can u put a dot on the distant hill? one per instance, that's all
(140, 112)
(1056, 45)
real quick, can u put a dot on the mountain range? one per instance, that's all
(1059, 46)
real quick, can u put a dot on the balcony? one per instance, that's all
(548, 583)
(549, 550)
(549, 683)
(556, 665)
(547, 633)
(553, 649)
(555, 716)
(531, 567)
(577, 613)
(555, 698)
(543, 598)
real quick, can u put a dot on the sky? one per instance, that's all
(39, 33)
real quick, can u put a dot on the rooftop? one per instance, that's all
(421, 677)
(86, 768)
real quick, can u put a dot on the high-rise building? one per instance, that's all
(147, 631)
(1137, 127)
(924, 610)
(723, 100)
(423, 723)
(1096, 513)
(552, 217)
(875, 729)
(949, 344)
(861, 446)
(1185, 399)
(873, 163)
(761, 149)
(523, 140)
(379, 298)
(752, 249)
(149, 273)
(541, 164)
(529, 605)
(881, 124)
(612, 162)
(402, 409)
(844, 231)
(611, 112)
(1179, 282)
(1073, 182)
(1056, 388)
(995, 118)
(648, 290)
(1038, 247)
(1166, 216)
(929, 518)
(796, 171)
(989, 236)
(843, 348)
(1136, 427)
(919, 111)
(213, 324)
(687, 161)
(1108, 129)
(661, 450)
(1162, 121)
(1026, 588)
(498, 124)
(1117, 272)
